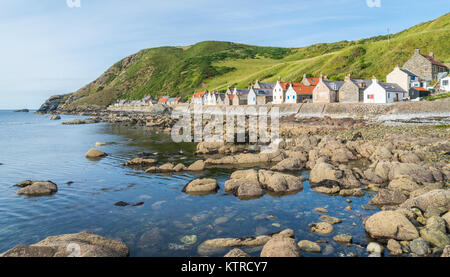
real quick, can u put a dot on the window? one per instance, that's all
(445, 82)
(293, 97)
(288, 97)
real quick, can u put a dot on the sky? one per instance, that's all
(50, 47)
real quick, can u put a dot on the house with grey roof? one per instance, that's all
(379, 92)
(326, 91)
(402, 77)
(352, 91)
(426, 67)
(259, 85)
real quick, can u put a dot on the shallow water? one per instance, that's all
(34, 147)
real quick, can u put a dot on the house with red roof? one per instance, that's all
(427, 67)
(418, 92)
(199, 98)
(163, 100)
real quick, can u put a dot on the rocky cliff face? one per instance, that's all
(53, 103)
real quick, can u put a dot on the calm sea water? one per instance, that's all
(34, 147)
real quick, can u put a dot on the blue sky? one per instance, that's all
(49, 48)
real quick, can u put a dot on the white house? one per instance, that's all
(251, 97)
(279, 92)
(445, 84)
(402, 77)
(291, 95)
(211, 99)
(199, 98)
(379, 92)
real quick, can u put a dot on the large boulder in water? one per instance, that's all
(201, 186)
(37, 188)
(280, 246)
(94, 153)
(82, 244)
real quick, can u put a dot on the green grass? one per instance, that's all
(214, 65)
(438, 96)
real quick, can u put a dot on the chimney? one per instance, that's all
(374, 79)
(348, 77)
(363, 85)
(321, 76)
(431, 55)
(416, 51)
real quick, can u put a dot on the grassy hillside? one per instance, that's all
(215, 65)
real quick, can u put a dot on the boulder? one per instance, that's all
(343, 238)
(179, 167)
(246, 241)
(446, 217)
(394, 247)
(241, 177)
(289, 164)
(82, 244)
(140, 162)
(280, 246)
(435, 237)
(55, 117)
(321, 228)
(419, 247)
(404, 184)
(437, 197)
(326, 186)
(94, 153)
(436, 223)
(167, 167)
(279, 182)
(388, 197)
(197, 166)
(38, 188)
(390, 225)
(309, 246)
(324, 171)
(351, 192)
(446, 252)
(249, 191)
(236, 253)
(330, 219)
(416, 172)
(201, 186)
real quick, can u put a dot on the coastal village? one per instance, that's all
(420, 76)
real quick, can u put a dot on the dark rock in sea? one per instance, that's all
(55, 117)
(69, 183)
(121, 204)
(22, 111)
(138, 204)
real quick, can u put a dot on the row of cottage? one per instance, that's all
(410, 82)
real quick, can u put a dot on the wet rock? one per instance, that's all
(179, 167)
(394, 247)
(324, 171)
(321, 210)
(121, 204)
(446, 217)
(351, 192)
(240, 177)
(419, 247)
(309, 246)
(343, 238)
(94, 153)
(151, 237)
(374, 249)
(167, 167)
(436, 223)
(446, 252)
(25, 183)
(38, 188)
(82, 244)
(280, 246)
(326, 186)
(209, 147)
(236, 253)
(221, 220)
(289, 164)
(388, 197)
(321, 228)
(189, 240)
(201, 186)
(279, 182)
(55, 117)
(249, 191)
(435, 237)
(246, 241)
(140, 162)
(330, 219)
(390, 225)
(440, 198)
(197, 166)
